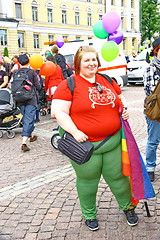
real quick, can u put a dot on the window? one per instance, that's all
(76, 18)
(122, 22)
(99, 1)
(65, 37)
(132, 23)
(112, 2)
(50, 38)
(89, 19)
(124, 43)
(122, 3)
(3, 37)
(78, 37)
(36, 40)
(88, 0)
(50, 15)
(100, 17)
(18, 10)
(64, 16)
(132, 3)
(34, 13)
(21, 40)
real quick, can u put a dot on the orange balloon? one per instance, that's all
(47, 69)
(36, 61)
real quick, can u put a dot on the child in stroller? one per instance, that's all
(10, 116)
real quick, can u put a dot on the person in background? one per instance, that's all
(93, 113)
(61, 61)
(28, 109)
(51, 82)
(16, 64)
(3, 75)
(151, 77)
(39, 93)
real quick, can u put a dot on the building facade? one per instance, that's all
(25, 25)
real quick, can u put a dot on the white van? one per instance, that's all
(116, 69)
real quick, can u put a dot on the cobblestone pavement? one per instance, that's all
(38, 199)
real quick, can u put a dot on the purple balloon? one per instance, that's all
(111, 21)
(59, 42)
(117, 37)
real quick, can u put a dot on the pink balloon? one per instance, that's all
(117, 37)
(111, 21)
(59, 42)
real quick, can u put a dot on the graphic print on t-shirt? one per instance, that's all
(105, 98)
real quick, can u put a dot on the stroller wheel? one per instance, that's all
(11, 134)
(43, 113)
(49, 111)
(1, 134)
(54, 140)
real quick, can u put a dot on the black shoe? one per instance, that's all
(92, 224)
(132, 218)
(151, 176)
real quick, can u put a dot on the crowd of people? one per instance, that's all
(44, 87)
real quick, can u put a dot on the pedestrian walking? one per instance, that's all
(151, 77)
(27, 107)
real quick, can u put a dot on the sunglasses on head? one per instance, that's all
(98, 87)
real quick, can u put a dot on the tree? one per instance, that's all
(150, 19)
(5, 53)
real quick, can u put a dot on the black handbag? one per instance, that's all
(79, 152)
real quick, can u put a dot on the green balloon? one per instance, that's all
(99, 31)
(142, 48)
(109, 51)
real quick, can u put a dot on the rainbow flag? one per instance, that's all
(133, 165)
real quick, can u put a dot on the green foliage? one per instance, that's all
(5, 53)
(150, 22)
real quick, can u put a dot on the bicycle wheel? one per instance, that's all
(55, 139)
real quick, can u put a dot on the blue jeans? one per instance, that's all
(153, 129)
(28, 113)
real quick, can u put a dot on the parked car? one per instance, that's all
(136, 67)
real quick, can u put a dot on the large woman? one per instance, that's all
(93, 113)
(151, 77)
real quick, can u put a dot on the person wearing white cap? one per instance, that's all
(151, 77)
(3, 75)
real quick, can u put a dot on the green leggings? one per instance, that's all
(105, 161)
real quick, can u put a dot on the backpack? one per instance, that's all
(152, 103)
(22, 89)
(71, 82)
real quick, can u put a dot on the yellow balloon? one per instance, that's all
(36, 61)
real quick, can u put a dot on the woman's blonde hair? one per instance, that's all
(79, 54)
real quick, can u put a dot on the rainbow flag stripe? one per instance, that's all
(133, 165)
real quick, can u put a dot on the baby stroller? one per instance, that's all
(10, 116)
(44, 105)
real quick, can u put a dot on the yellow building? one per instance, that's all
(26, 24)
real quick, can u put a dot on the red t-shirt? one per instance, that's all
(94, 113)
(55, 79)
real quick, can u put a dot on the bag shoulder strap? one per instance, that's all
(109, 79)
(103, 142)
(71, 84)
